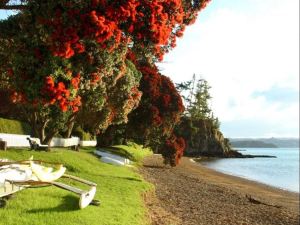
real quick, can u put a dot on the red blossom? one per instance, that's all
(95, 78)
(10, 72)
(173, 150)
(79, 47)
(75, 81)
(153, 23)
(59, 94)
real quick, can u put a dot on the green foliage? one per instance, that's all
(114, 99)
(96, 88)
(67, 59)
(153, 121)
(197, 98)
(130, 150)
(119, 190)
(216, 122)
(133, 70)
(114, 135)
(199, 105)
(14, 127)
(137, 152)
(79, 132)
(199, 127)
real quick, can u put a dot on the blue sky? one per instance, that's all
(5, 13)
(248, 51)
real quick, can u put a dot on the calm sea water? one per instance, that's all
(281, 172)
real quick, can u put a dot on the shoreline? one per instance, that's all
(242, 184)
(198, 162)
(193, 194)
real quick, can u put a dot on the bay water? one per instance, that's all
(281, 172)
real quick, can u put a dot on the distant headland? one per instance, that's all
(264, 142)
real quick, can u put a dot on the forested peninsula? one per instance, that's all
(252, 144)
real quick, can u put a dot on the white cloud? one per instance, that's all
(241, 52)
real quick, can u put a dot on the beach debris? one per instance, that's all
(17, 175)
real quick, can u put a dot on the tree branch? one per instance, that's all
(4, 80)
(13, 7)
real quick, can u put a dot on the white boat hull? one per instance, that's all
(8, 189)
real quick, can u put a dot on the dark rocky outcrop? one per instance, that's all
(204, 139)
(208, 141)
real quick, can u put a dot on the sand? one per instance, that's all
(192, 194)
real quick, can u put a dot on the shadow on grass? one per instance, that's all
(118, 177)
(69, 203)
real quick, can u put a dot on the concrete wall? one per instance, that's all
(88, 143)
(15, 140)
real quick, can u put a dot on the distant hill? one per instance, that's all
(252, 144)
(265, 142)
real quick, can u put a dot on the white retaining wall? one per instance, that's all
(15, 140)
(88, 143)
(64, 142)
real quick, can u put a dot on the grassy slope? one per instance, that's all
(14, 127)
(119, 190)
(132, 151)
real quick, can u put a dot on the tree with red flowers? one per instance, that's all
(150, 26)
(52, 102)
(173, 150)
(68, 56)
(118, 102)
(153, 122)
(159, 110)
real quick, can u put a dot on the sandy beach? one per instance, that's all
(192, 194)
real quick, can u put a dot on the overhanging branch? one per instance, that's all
(13, 7)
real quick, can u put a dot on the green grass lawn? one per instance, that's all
(133, 151)
(119, 190)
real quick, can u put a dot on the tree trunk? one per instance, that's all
(39, 130)
(42, 128)
(34, 126)
(49, 138)
(70, 129)
(70, 126)
(42, 134)
(35, 130)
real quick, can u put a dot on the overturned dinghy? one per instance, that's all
(7, 173)
(86, 197)
(46, 174)
(112, 158)
(15, 176)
